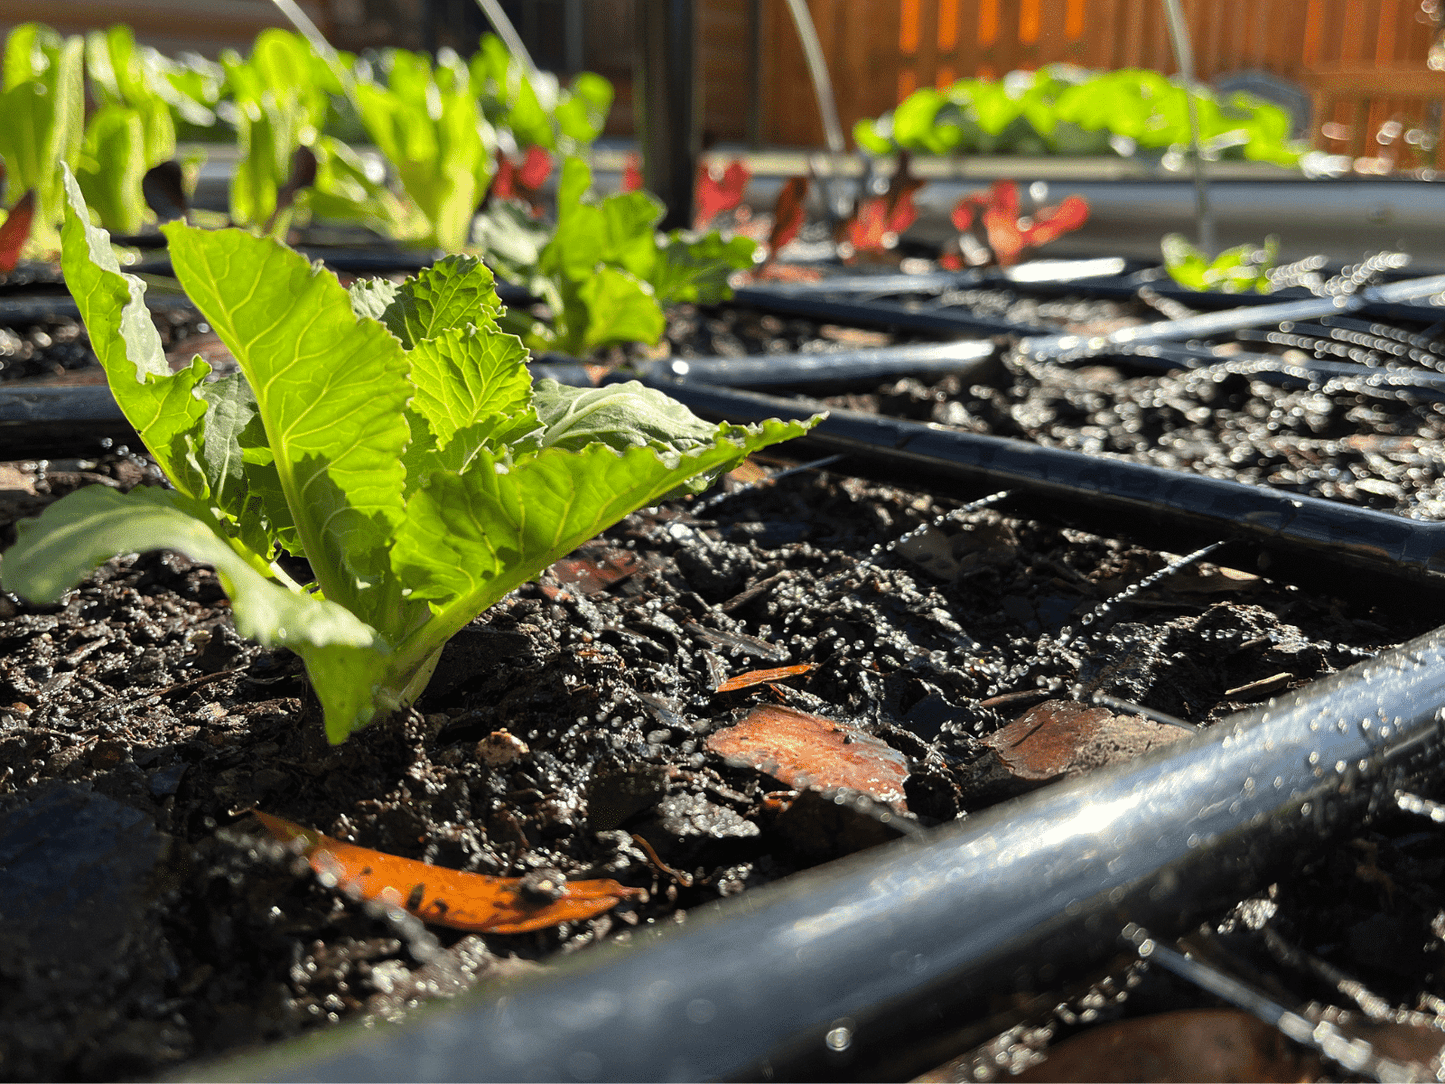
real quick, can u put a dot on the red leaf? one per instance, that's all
(867, 230)
(1003, 196)
(632, 174)
(718, 190)
(963, 210)
(951, 261)
(808, 750)
(901, 186)
(1051, 223)
(536, 169)
(789, 214)
(762, 677)
(504, 184)
(902, 213)
(1004, 236)
(448, 897)
(16, 231)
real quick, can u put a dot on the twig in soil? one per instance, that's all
(1114, 703)
(718, 498)
(109, 700)
(684, 879)
(1068, 635)
(1371, 1004)
(937, 521)
(1355, 1055)
(1413, 803)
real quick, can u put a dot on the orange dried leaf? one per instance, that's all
(808, 750)
(16, 231)
(595, 566)
(448, 897)
(1064, 737)
(761, 677)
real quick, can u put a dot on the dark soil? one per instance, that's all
(149, 925)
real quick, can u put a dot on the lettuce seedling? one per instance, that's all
(606, 273)
(1060, 109)
(42, 118)
(389, 435)
(1243, 269)
(533, 106)
(428, 122)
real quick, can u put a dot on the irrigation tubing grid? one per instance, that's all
(890, 962)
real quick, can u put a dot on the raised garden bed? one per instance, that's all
(576, 729)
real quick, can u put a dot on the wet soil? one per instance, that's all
(149, 925)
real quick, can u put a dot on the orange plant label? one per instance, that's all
(448, 897)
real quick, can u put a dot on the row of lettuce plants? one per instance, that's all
(111, 111)
(1062, 109)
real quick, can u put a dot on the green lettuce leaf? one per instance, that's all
(465, 377)
(163, 407)
(468, 540)
(455, 292)
(84, 529)
(330, 391)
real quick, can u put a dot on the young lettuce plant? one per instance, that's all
(391, 435)
(1243, 269)
(606, 273)
(42, 118)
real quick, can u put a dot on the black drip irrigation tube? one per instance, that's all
(1295, 538)
(970, 358)
(892, 314)
(891, 962)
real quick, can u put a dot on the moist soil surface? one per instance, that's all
(150, 924)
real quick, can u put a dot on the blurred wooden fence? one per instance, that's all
(204, 26)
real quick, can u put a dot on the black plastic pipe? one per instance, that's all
(1053, 272)
(815, 370)
(39, 308)
(879, 314)
(1295, 538)
(1234, 319)
(43, 422)
(890, 962)
(1426, 384)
